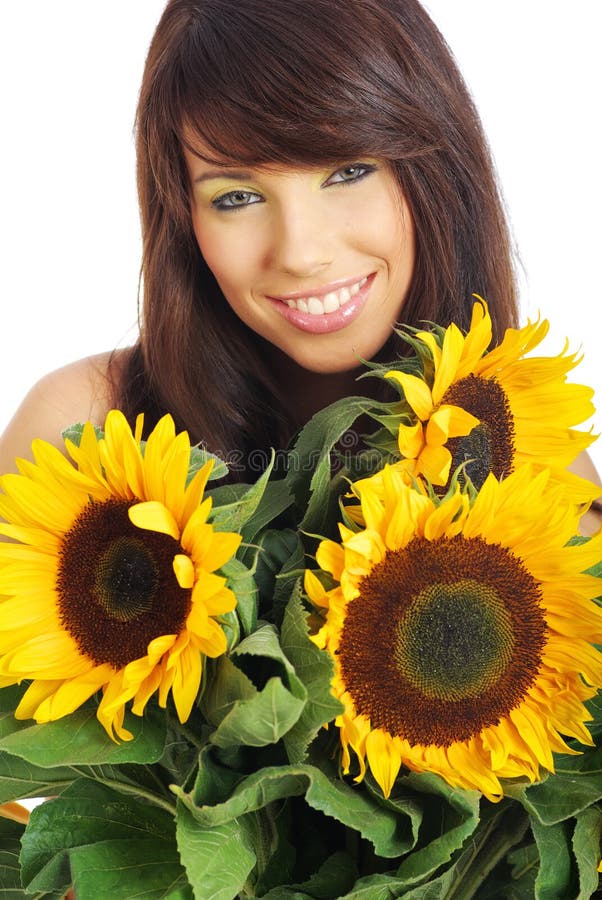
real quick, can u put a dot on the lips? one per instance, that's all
(327, 310)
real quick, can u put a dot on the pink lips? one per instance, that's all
(328, 322)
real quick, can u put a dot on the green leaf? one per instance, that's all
(226, 685)
(275, 561)
(10, 871)
(391, 829)
(80, 739)
(198, 457)
(586, 847)
(147, 869)
(555, 875)
(314, 668)
(241, 581)
(333, 879)
(20, 779)
(309, 467)
(217, 859)
(559, 797)
(445, 825)
(96, 822)
(261, 720)
(10, 697)
(74, 433)
(524, 864)
(275, 500)
(235, 515)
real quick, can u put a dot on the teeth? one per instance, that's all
(329, 303)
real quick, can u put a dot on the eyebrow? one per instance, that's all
(234, 174)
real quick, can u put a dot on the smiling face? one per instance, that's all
(318, 261)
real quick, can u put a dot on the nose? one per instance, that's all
(302, 240)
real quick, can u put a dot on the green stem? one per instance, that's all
(501, 833)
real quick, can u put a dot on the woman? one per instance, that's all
(309, 174)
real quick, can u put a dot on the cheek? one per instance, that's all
(232, 254)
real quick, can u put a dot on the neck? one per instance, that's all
(308, 392)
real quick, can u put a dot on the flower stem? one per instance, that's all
(502, 832)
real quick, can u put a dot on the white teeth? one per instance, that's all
(329, 303)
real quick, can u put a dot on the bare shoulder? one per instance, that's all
(583, 466)
(78, 392)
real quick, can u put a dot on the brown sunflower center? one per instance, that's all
(116, 587)
(490, 445)
(455, 640)
(444, 640)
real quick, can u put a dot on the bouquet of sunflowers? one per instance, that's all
(371, 679)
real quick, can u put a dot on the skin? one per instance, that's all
(281, 231)
(300, 231)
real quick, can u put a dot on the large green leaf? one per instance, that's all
(145, 868)
(309, 468)
(524, 866)
(218, 859)
(555, 875)
(245, 509)
(391, 829)
(100, 831)
(314, 669)
(10, 871)
(80, 739)
(241, 581)
(261, 720)
(20, 779)
(586, 847)
(449, 817)
(559, 797)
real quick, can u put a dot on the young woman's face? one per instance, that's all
(317, 261)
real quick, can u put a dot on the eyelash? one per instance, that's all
(365, 169)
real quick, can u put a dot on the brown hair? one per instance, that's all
(299, 82)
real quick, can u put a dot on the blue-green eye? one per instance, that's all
(351, 173)
(236, 200)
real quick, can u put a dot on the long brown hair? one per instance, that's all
(299, 82)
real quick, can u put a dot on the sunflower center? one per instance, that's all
(444, 639)
(455, 640)
(126, 579)
(116, 587)
(490, 445)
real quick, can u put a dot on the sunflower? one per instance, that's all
(110, 579)
(496, 410)
(460, 630)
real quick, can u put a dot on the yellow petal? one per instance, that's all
(449, 422)
(410, 440)
(451, 352)
(154, 516)
(383, 758)
(186, 682)
(184, 570)
(417, 392)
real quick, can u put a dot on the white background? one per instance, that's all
(70, 248)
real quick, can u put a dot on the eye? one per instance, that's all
(235, 200)
(351, 173)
